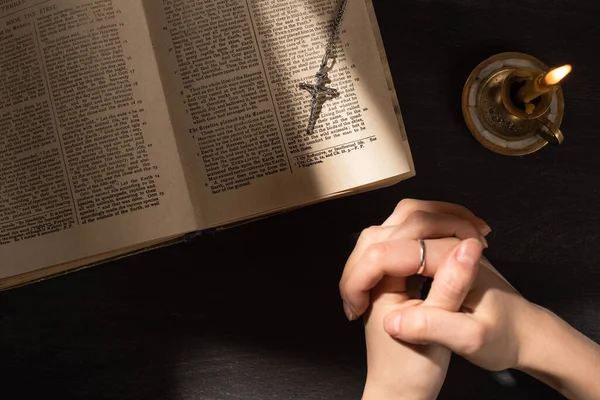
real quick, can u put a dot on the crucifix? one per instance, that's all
(319, 90)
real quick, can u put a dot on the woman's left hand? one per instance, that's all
(398, 370)
(375, 278)
(393, 250)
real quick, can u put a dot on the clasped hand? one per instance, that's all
(470, 309)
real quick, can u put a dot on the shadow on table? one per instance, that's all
(245, 313)
(249, 313)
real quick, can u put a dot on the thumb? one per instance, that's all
(429, 325)
(455, 275)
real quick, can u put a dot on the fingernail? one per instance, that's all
(349, 311)
(468, 253)
(484, 242)
(484, 228)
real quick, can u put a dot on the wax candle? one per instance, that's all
(543, 83)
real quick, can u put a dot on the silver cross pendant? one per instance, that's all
(320, 92)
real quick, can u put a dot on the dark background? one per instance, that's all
(254, 312)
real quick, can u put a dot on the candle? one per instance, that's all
(543, 83)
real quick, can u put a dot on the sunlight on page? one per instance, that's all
(248, 153)
(154, 119)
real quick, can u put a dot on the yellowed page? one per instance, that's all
(232, 69)
(88, 160)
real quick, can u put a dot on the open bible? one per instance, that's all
(126, 125)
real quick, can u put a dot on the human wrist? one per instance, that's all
(560, 356)
(413, 375)
(538, 330)
(377, 390)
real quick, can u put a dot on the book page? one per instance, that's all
(88, 160)
(232, 69)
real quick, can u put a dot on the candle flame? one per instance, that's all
(557, 74)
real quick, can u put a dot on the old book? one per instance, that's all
(126, 125)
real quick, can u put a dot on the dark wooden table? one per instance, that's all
(254, 312)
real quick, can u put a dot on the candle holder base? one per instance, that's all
(494, 121)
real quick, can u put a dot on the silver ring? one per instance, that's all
(422, 263)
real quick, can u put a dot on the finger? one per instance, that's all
(390, 284)
(455, 275)
(368, 236)
(399, 258)
(408, 206)
(426, 225)
(418, 225)
(388, 293)
(429, 325)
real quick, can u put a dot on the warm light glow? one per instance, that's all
(557, 74)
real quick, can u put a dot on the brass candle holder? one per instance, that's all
(513, 104)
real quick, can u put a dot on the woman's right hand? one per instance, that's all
(498, 329)
(493, 326)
